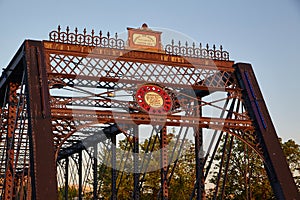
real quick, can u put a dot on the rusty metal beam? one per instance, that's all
(11, 126)
(199, 159)
(43, 167)
(144, 118)
(164, 163)
(10, 72)
(276, 165)
(189, 89)
(136, 56)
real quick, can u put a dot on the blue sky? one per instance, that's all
(263, 33)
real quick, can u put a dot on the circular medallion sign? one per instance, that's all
(153, 99)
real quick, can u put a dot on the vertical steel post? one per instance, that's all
(42, 158)
(136, 175)
(80, 175)
(113, 168)
(66, 193)
(12, 121)
(199, 157)
(95, 171)
(164, 163)
(199, 165)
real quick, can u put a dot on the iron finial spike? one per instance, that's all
(186, 43)
(207, 46)
(100, 34)
(108, 34)
(68, 29)
(144, 25)
(76, 30)
(58, 28)
(221, 48)
(84, 31)
(116, 35)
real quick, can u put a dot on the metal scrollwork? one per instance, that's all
(86, 39)
(197, 52)
(117, 43)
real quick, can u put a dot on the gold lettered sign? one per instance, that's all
(144, 38)
(154, 100)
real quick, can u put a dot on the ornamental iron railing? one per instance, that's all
(113, 41)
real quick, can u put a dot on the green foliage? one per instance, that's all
(246, 177)
(72, 192)
(182, 182)
(292, 153)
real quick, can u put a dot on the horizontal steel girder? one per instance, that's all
(103, 117)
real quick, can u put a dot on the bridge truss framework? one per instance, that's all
(68, 101)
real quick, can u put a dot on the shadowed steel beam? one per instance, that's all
(95, 171)
(80, 175)
(90, 141)
(199, 159)
(113, 168)
(164, 163)
(66, 174)
(136, 175)
(276, 166)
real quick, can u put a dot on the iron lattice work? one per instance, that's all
(72, 125)
(115, 42)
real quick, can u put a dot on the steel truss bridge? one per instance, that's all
(71, 120)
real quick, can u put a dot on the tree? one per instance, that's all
(292, 153)
(182, 181)
(246, 176)
(72, 193)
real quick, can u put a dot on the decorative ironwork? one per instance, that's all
(155, 99)
(86, 39)
(197, 52)
(88, 67)
(117, 43)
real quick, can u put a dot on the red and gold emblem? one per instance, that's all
(153, 99)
